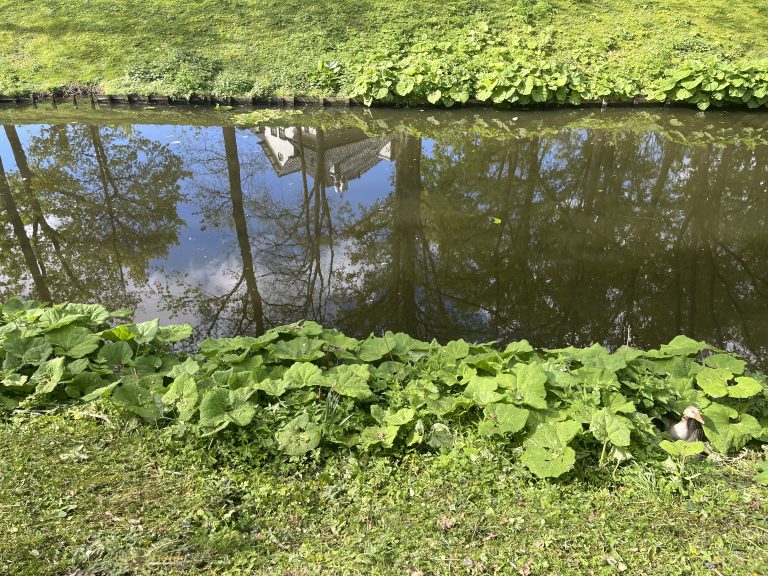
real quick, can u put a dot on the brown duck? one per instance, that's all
(689, 428)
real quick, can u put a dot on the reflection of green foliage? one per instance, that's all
(329, 394)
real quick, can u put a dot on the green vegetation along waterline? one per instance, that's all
(505, 53)
(304, 389)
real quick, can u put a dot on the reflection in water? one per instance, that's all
(561, 237)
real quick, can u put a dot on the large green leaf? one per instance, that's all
(174, 333)
(682, 448)
(725, 435)
(726, 362)
(183, 394)
(47, 376)
(714, 381)
(221, 406)
(608, 427)
(301, 348)
(547, 453)
(384, 435)
(115, 353)
(75, 341)
(96, 313)
(299, 436)
(374, 348)
(745, 387)
(272, 387)
(351, 380)
(304, 375)
(503, 419)
(138, 400)
(526, 385)
(482, 389)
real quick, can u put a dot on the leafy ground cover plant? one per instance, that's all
(303, 388)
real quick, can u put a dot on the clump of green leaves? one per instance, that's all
(715, 83)
(302, 388)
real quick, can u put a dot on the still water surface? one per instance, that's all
(559, 228)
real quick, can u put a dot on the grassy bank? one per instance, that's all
(570, 50)
(89, 491)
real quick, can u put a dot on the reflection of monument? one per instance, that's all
(346, 154)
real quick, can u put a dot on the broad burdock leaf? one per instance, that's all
(725, 435)
(272, 387)
(525, 385)
(608, 427)
(114, 353)
(503, 419)
(95, 313)
(299, 436)
(517, 348)
(745, 387)
(714, 381)
(174, 333)
(547, 453)
(189, 367)
(400, 418)
(440, 437)
(374, 348)
(301, 348)
(183, 394)
(482, 389)
(221, 406)
(762, 477)
(47, 376)
(74, 341)
(221, 346)
(37, 352)
(303, 375)
(100, 392)
(384, 435)
(53, 318)
(456, 349)
(145, 332)
(138, 400)
(350, 380)
(682, 448)
(445, 405)
(726, 362)
(679, 346)
(118, 333)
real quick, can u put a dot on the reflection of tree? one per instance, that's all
(286, 276)
(101, 205)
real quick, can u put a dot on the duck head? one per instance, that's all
(693, 413)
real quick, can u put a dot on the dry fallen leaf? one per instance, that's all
(447, 523)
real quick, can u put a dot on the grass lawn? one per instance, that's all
(79, 495)
(261, 47)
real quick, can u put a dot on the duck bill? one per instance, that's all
(698, 418)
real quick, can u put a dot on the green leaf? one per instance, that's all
(138, 400)
(680, 346)
(384, 435)
(38, 352)
(184, 395)
(304, 375)
(745, 387)
(404, 86)
(299, 436)
(714, 381)
(725, 435)
(351, 380)
(272, 387)
(114, 353)
(482, 389)
(174, 333)
(401, 417)
(726, 362)
(374, 349)
(301, 348)
(47, 376)
(682, 448)
(503, 419)
(75, 341)
(440, 437)
(96, 313)
(609, 427)
(220, 406)
(526, 385)
(145, 332)
(434, 97)
(547, 453)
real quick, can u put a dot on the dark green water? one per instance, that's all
(559, 227)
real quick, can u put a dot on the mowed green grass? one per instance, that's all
(273, 47)
(118, 497)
